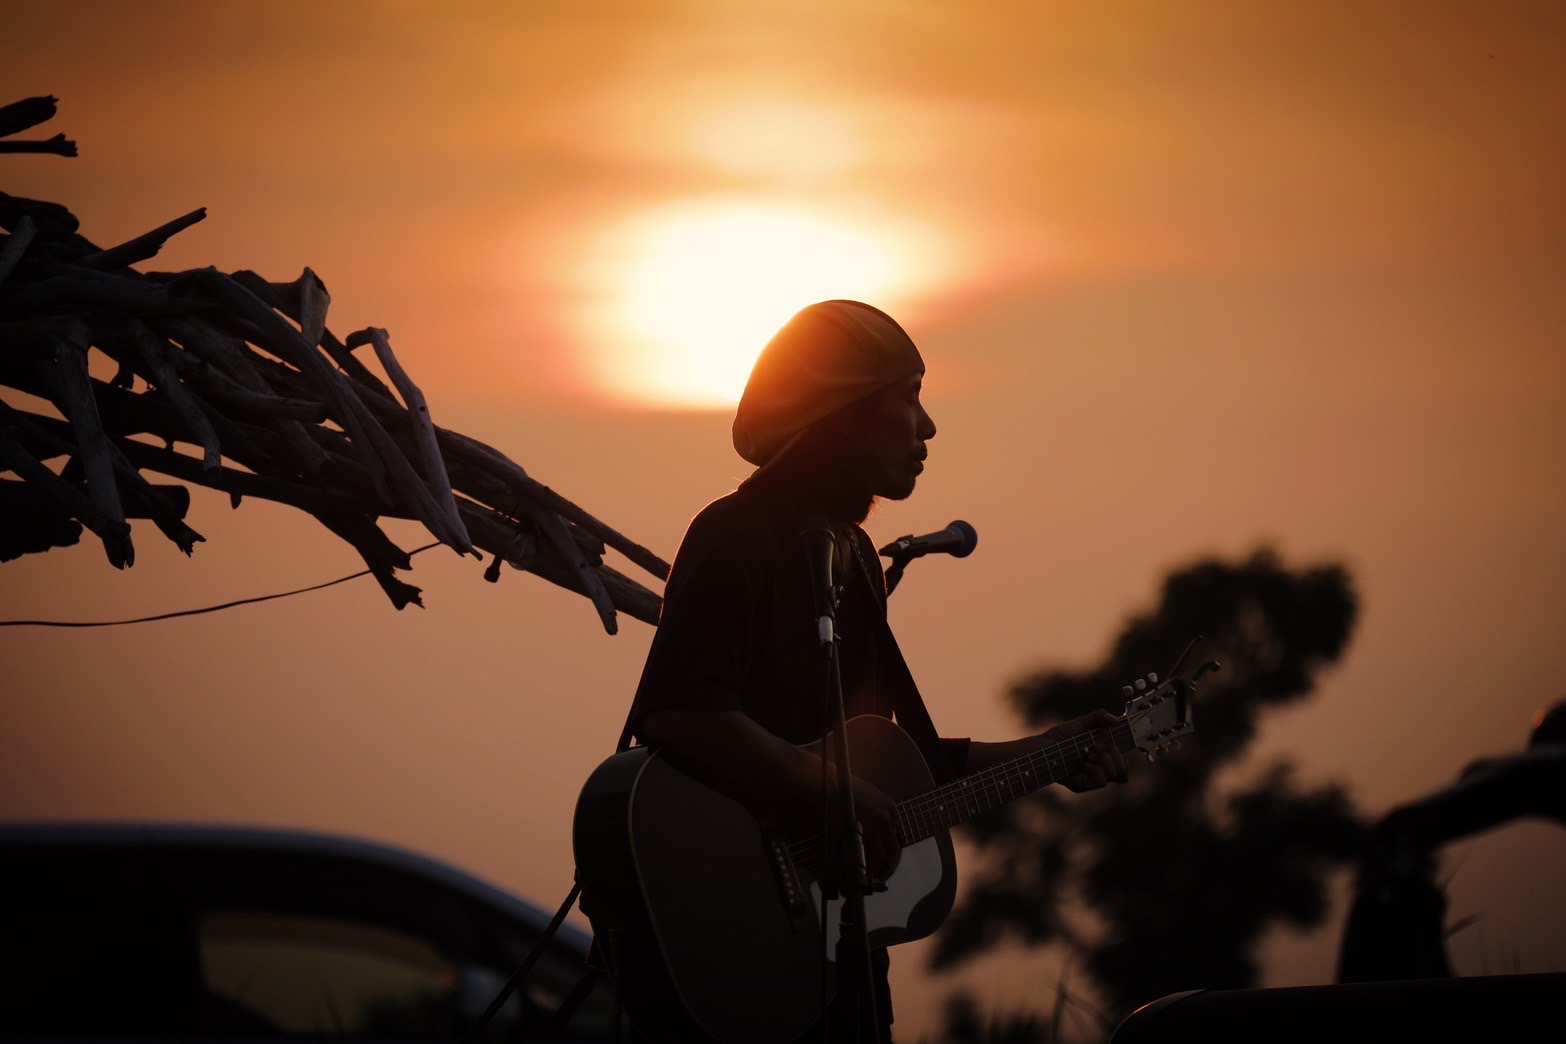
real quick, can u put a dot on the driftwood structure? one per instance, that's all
(244, 373)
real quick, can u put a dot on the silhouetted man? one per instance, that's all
(733, 684)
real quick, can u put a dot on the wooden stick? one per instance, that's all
(77, 403)
(435, 478)
(277, 337)
(405, 480)
(305, 497)
(29, 112)
(313, 303)
(16, 245)
(151, 351)
(288, 298)
(30, 522)
(495, 472)
(227, 354)
(263, 407)
(143, 246)
(80, 291)
(113, 531)
(166, 506)
(558, 532)
(55, 222)
(473, 450)
(397, 473)
(379, 553)
(59, 145)
(492, 532)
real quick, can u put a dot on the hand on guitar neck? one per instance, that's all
(1102, 765)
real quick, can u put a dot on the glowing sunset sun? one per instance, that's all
(687, 294)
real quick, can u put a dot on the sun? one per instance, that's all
(687, 294)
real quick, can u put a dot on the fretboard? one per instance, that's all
(959, 801)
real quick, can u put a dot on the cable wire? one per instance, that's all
(198, 612)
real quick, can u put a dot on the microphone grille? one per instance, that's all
(970, 538)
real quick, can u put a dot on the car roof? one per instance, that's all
(238, 839)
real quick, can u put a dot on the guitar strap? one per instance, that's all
(907, 704)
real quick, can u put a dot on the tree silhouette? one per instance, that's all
(1169, 884)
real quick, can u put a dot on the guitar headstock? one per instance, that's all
(1159, 713)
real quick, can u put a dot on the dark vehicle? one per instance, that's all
(181, 931)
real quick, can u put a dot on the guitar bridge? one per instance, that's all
(785, 875)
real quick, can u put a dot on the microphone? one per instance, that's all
(957, 540)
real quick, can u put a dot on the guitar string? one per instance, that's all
(923, 816)
(981, 791)
(988, 788)
(1053, 759)
(983, 788)
(912, 819)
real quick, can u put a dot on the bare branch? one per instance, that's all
(59, 145)
(152, 350)
(29, 112)
(143, 246)
(16, 245)
(434, 467)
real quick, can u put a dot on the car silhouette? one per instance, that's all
(137, 931)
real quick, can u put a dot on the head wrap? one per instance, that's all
(826, 357)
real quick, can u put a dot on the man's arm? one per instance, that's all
(1103, 765)
(732, 748)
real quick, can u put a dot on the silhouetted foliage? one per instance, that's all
(964, 1024)
(1169, 884)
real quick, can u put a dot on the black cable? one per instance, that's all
(197, 612)
(521, 973)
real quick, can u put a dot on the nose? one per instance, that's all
(926, 424)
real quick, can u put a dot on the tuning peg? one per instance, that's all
(1152, 677)
(1174, 744)
(1141, 684)
(1127, 691)
(1152, 755)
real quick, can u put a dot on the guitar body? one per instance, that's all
(713, 916)
(726, 904)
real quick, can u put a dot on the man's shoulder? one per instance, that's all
(733, 536)
(741, 513)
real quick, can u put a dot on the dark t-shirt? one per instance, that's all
(738, 631)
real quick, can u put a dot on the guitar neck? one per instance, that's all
(959, 801)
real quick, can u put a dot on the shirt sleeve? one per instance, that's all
(706, 628)
(957, 754)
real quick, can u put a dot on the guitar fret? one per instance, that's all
(950, 804)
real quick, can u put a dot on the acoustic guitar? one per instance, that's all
(732, 902)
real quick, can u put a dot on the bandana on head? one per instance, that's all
(829, 355)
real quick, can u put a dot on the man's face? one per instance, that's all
(895, 430)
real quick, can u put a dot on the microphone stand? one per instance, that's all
(852, 875)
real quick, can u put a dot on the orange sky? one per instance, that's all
(1187, 277)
